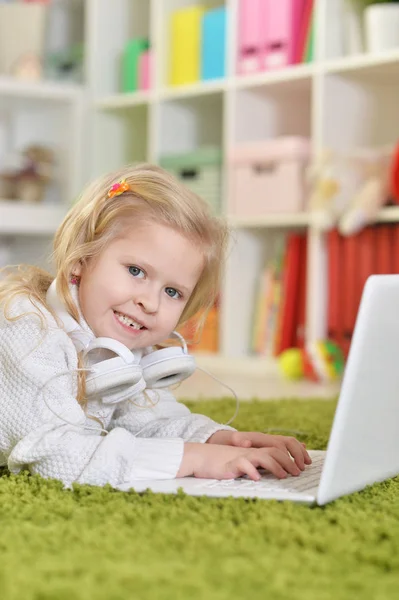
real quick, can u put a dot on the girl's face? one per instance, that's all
(135, 291)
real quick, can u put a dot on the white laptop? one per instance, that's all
(364, 442)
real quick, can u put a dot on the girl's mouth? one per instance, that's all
(128, 321)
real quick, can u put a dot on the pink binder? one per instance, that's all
(249, 36)
(280, 29)
(144, 69)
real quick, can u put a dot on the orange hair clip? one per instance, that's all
(118, 188)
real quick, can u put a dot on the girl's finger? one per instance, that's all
(240, 441)
(297, 452)
(284, 460)
(240, 467)
(268, 463)
(308, 460)
(246, 443)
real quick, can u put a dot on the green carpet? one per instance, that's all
(107, 545)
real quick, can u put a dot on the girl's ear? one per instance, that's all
(77, 269)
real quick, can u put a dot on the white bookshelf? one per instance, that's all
(340, 101)
(52, 113)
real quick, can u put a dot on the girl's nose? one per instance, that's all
(148, 301)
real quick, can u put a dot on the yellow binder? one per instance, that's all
(185, 45)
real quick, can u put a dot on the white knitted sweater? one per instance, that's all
(42, 426)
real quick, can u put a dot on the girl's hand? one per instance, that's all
(228, 462)
(253, 439)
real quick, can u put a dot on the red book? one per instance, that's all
(349, 288)
(384, 249)
(289, 297)
(395, 249)
(304, 26)
(367, 256)
(334, 282)
(300, 332)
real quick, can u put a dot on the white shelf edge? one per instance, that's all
(283, 76)
(124, 100)
(201, 88)
(246, 365)
(274, 77)
(360, 62)
(17, 218)
(272, 220)
(41, 89)
(389, 214)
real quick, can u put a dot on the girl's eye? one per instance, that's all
(172, 293)
(136, 272)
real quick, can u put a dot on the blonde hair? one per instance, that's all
(96, 219)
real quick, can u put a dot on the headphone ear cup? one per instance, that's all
(166, 367)
(113, 379)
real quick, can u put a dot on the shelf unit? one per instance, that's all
(52, 113)
(339, 101)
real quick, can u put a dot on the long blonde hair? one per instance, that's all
(96, 219)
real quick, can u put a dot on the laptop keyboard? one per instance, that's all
(307, 480)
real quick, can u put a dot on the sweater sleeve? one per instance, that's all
(157, 414)
(44, 429)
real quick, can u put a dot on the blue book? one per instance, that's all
(213, 55)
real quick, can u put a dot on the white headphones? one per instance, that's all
(165, 367)
(129, 373)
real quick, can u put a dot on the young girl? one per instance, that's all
(135, 257)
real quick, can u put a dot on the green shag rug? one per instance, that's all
(97, 543)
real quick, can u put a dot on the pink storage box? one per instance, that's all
(249, 36)
(268, 177)
(144, 70)
(280, 24)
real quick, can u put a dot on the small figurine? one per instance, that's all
(28, 182)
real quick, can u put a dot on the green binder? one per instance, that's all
(130, 59)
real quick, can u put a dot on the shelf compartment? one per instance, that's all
(126, 135)
(190, 123)
(262, 112)
(111, 26)
(17, 218)
(359, 113)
